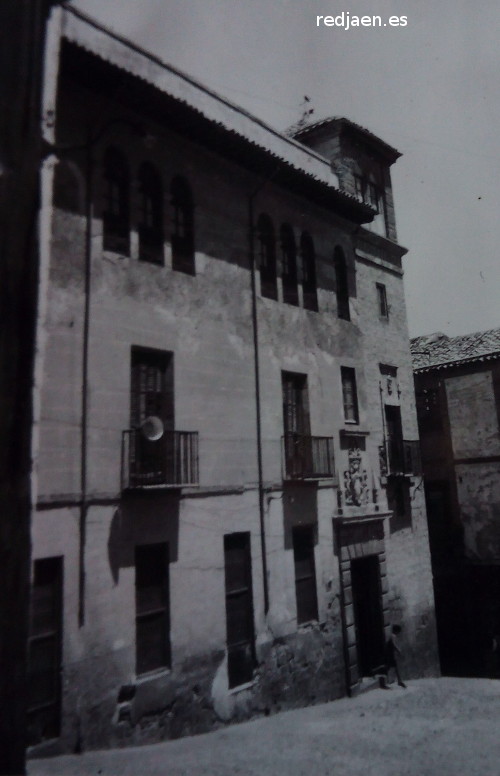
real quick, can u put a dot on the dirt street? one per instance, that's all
(442, 727)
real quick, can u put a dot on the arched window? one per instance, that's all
(309, 288)
(151, 214)
(182, 226)
(341, 284)
(116, 211)
(289, 265)
(267, 257)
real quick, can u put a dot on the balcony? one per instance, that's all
(307, 457)
(400, 456)
(170, 461)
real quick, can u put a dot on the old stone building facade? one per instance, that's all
(457, 383)
(229, 504)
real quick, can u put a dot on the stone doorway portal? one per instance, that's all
(364, 594)
(368, 618)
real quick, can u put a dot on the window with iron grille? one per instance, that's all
(295, 404)
(309, 287)
(152, 617)
(349, 394)
(152, 395)
(239, 608)
(151, 215)
(289, 262)
(116, 211)
(267, 257)
(182, 226)
(341, 284)
(45, 650)
(305, 573)
(383, 309)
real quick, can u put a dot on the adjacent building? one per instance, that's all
(457, 383)
(230, 510)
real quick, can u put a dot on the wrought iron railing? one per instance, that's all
(307, 457)
(400, 456)
(171, 460)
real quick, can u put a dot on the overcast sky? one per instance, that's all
(431, 89)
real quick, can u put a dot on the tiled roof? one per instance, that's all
(86, 33)
(302, 132)
(437, 351)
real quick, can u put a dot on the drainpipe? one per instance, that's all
(85, 382)
(255, 330)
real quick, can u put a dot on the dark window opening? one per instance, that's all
(116, 212)
(182, 226)
(297, 431)
(429, 409)
(395, 445)
(151, 215)
(289, 263)
(267, 257)
(399, 503)
(309, 287)
(295, 403)
(383, 309)
(349, 394)
(373, 195)
(45, 651)
(239, 608)
(305, 574)
(152, 607)
(342, 285)
(152, 396)
(368, 614)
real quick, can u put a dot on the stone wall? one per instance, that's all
(205, 321)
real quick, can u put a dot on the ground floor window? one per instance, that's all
(305, 573)
(152, 607)
(239, 608)
(44, 651)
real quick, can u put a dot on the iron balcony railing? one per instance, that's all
(400, 456)
(171, 460)
(307, 457)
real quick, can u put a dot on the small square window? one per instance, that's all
(383, 309)
(349, 394)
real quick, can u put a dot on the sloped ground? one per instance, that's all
(436, 727)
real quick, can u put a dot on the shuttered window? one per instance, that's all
(239, 608)
(152, 607)
(349, 395)
(305, 573)
(44, 651)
